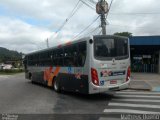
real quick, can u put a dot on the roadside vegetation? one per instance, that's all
(11, 62)
(11, 71)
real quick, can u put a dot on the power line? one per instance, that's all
(93, 2)
(86, 28)
(109, 8)
(99, 33)
(135, 13)
(128, 26)
(87, 4)
(92, 31)
(75, 9)
(93, 21)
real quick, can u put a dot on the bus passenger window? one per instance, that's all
(81, 53)
(70, 54)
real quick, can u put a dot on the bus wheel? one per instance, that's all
(32, 79)
(56, 85)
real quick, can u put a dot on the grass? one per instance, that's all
(10, 72)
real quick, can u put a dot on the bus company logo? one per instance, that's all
(105, 73)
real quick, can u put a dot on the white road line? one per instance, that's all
(129, 111)
(134, 105)
(146, 93)
(137, 96)
(137, 100)
(108, 118)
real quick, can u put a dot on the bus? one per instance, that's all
(89, 65)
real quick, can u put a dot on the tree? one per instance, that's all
(6, 55)
(126, 34)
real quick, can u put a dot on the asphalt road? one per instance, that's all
(19, 96)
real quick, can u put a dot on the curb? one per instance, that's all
(141, 89)
(156, 89)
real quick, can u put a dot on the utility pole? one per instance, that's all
(102, 9)
(47, 43)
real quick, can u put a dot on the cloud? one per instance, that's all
(139, 23)
(15, 33)
(25, 25)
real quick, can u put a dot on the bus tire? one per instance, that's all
(30, 76)
(56, 85)
(32, 80)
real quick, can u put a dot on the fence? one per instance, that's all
(146, 68)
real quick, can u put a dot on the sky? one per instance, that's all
(25, 25)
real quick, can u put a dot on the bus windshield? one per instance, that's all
(109, 48)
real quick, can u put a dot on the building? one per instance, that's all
(1, 66)
(145, 54)
(5, 66)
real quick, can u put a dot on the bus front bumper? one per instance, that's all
(101, 89)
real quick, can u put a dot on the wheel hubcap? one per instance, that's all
(55, 85)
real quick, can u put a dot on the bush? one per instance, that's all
(12, 71)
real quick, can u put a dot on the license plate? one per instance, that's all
(113, 82)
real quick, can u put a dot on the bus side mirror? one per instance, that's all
(90, 41)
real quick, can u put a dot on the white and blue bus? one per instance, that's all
(89, 65)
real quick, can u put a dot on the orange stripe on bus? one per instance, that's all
(56, 71)
(47, 73)
(52, 75)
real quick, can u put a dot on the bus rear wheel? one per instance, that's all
(56, 86)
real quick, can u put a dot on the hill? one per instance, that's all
(6, 55)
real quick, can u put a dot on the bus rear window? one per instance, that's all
(109, 48)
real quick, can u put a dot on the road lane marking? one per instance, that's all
(146, 93)
(137, 100)
(134, 105)
(4, 78)
(111, 111)
(108, 118)
(137, 96)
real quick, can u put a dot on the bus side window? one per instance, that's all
(70, 54)
(30, 60)
(56, 57)
(81, 53)
(53, 58)
(59, 57)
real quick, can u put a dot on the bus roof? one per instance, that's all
(75, 41)
(61, 45)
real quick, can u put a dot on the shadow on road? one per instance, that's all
(93, 97)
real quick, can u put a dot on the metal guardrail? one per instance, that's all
(146, 68)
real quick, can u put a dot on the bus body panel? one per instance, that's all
(73, 79)
(105, 82)
(111, 73)
(69, 82)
